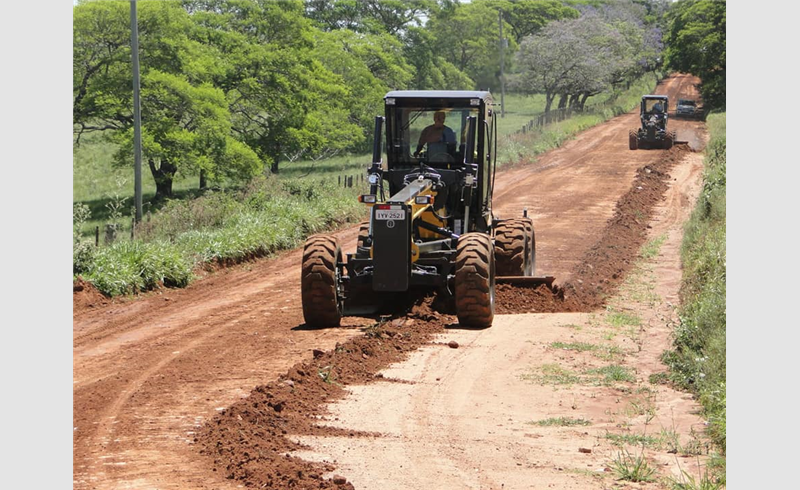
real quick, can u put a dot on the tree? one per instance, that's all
(391, 17)
(185, 121)
(529, 17)
(368, 65)
(431, 71)
(696, 45)
(578, 58)
(283, 102)
(468, 38)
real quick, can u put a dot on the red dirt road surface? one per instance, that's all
(221, 385)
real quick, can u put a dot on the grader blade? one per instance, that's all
(525, 280)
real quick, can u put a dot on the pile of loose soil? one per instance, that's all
(247, 442)
(606, 263)
(86, 295)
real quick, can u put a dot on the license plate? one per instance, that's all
(386, 214)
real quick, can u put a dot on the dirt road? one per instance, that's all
(158, 378)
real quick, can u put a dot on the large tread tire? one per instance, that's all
(362, 248)
(474, 280)
(322, 304)
(363, 235)
(530, 236)
(633, 140)
(669, 139)
(512, 247)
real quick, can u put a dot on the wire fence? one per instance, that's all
(556, 115)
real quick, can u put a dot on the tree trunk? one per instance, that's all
(203, 183)
(562, 102)
(163, 176)
(548, 101)
(274, 166)
(573, 101)
(582, 102)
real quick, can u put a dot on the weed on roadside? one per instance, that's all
(622, 319)
(608, 375)
(632, 468)
(708, 480)
(633, 440)
(561, 422)
(327, 374)
(551, 374)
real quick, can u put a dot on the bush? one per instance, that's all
(131, 267)
(265, 216)
(82, 251)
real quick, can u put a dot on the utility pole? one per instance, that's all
(137, 117)
(502, 63)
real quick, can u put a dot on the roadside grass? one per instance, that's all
(697, 360)
(622, 318)
(706, 481)
(605, 352)
(576, 346)
(555, 375)
(561, 422)
(612, 374)
(634, 440)
(260, 219)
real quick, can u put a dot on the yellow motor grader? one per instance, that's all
(431, 224)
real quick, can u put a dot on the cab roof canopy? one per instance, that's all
(440, 94)
(438, 98)
(647, 97)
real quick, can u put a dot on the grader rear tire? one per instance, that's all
(669, 139)
(530, 237)
(474, 280)
(509, 248)
(633, 140)
(363, 235)
(514, 252)
(322, 302)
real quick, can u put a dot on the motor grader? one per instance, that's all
(430, 225)
(652, 133)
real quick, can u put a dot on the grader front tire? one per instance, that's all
(474, 280)
(322, 304)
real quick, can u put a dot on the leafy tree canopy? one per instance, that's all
(696, 44)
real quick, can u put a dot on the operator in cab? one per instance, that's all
(436, 133)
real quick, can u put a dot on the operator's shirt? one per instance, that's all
(432, 134)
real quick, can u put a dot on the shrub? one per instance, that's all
(82, 250)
